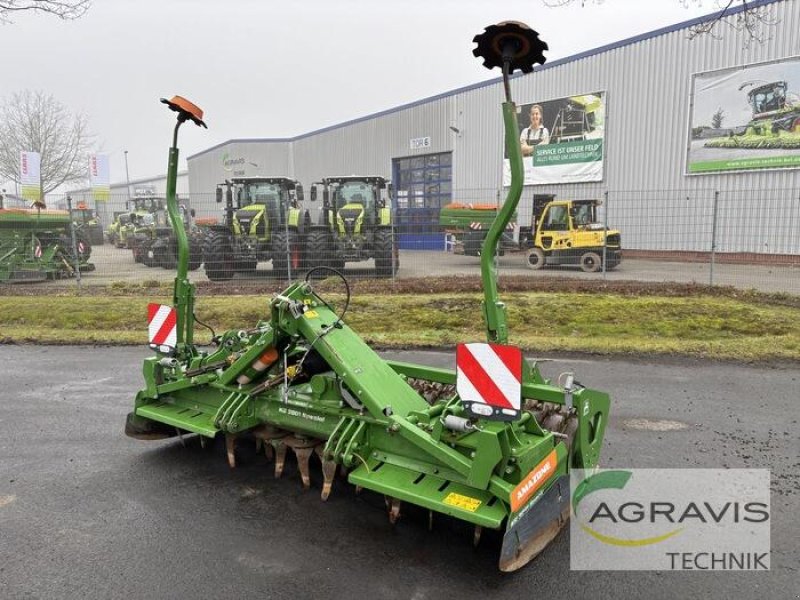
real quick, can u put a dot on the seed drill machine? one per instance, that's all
(490, 443)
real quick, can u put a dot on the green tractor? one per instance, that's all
(36, 244)
(355, 224)
(775, 122)
(85, 219)
(120, 219)
(300, 380)
(263, 221)
(161, 249)
(144, 214)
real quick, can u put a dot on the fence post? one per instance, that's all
(74, 243)
(395, 242)
(713, 237)
(605, 231)
(288, 248)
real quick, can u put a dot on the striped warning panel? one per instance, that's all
(489, 380)
(162, 323)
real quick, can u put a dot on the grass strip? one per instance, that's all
(613, 324)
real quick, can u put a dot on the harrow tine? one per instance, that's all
(303, 449)
(303, 458)
(430, 520)
(230, 447)
(394, 505)
(179, 433)
(280, 457)
(476, 536)
(329, 468)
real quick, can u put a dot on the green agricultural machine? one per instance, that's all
(263, 221)
(301, 381)
(775, 123)
(161, 250)
(85, 219)
(36, 245)
(143, 215)
(355, 224)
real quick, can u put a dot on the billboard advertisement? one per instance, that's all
(30, 176)
(745, 118)
(562, 140)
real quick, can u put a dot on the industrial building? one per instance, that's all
(637, 110)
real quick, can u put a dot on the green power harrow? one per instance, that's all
(301, 380)
(35, 245)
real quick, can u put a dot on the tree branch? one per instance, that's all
(754, 21)
(63, 9)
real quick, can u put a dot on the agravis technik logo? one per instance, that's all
(669, 519)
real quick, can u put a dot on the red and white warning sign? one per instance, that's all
(489, 380)
(162, 323)
(37, 252)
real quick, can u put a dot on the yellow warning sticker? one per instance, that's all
(311, 314)
(465, 502)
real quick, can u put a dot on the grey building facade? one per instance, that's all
(449, 147)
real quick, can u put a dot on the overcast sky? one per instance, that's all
(262, 68)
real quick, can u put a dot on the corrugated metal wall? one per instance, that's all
(245, 158)
(648, 85)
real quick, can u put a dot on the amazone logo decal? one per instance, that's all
(533, 481)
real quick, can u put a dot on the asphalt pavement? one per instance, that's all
(87, 513)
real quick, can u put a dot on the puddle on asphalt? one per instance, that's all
(654, 424)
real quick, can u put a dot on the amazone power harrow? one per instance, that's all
(490, 443)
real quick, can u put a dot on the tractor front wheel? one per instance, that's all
(591, 262)
(387, 258)
(218, 256)
(319, 250)
(536, 259)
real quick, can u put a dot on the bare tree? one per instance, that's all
(718, 118)
(63, 9)
(754, 20)
(37, 122)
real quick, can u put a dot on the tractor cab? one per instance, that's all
(767, 99)
(258, 205)
(349, 203)
(355, 224)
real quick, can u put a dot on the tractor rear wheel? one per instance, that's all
(536, 259)
(195, 254)
(387, 259)
(218, 256)
(287, 252)
(591, 262)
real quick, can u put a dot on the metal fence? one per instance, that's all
(749, 239)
